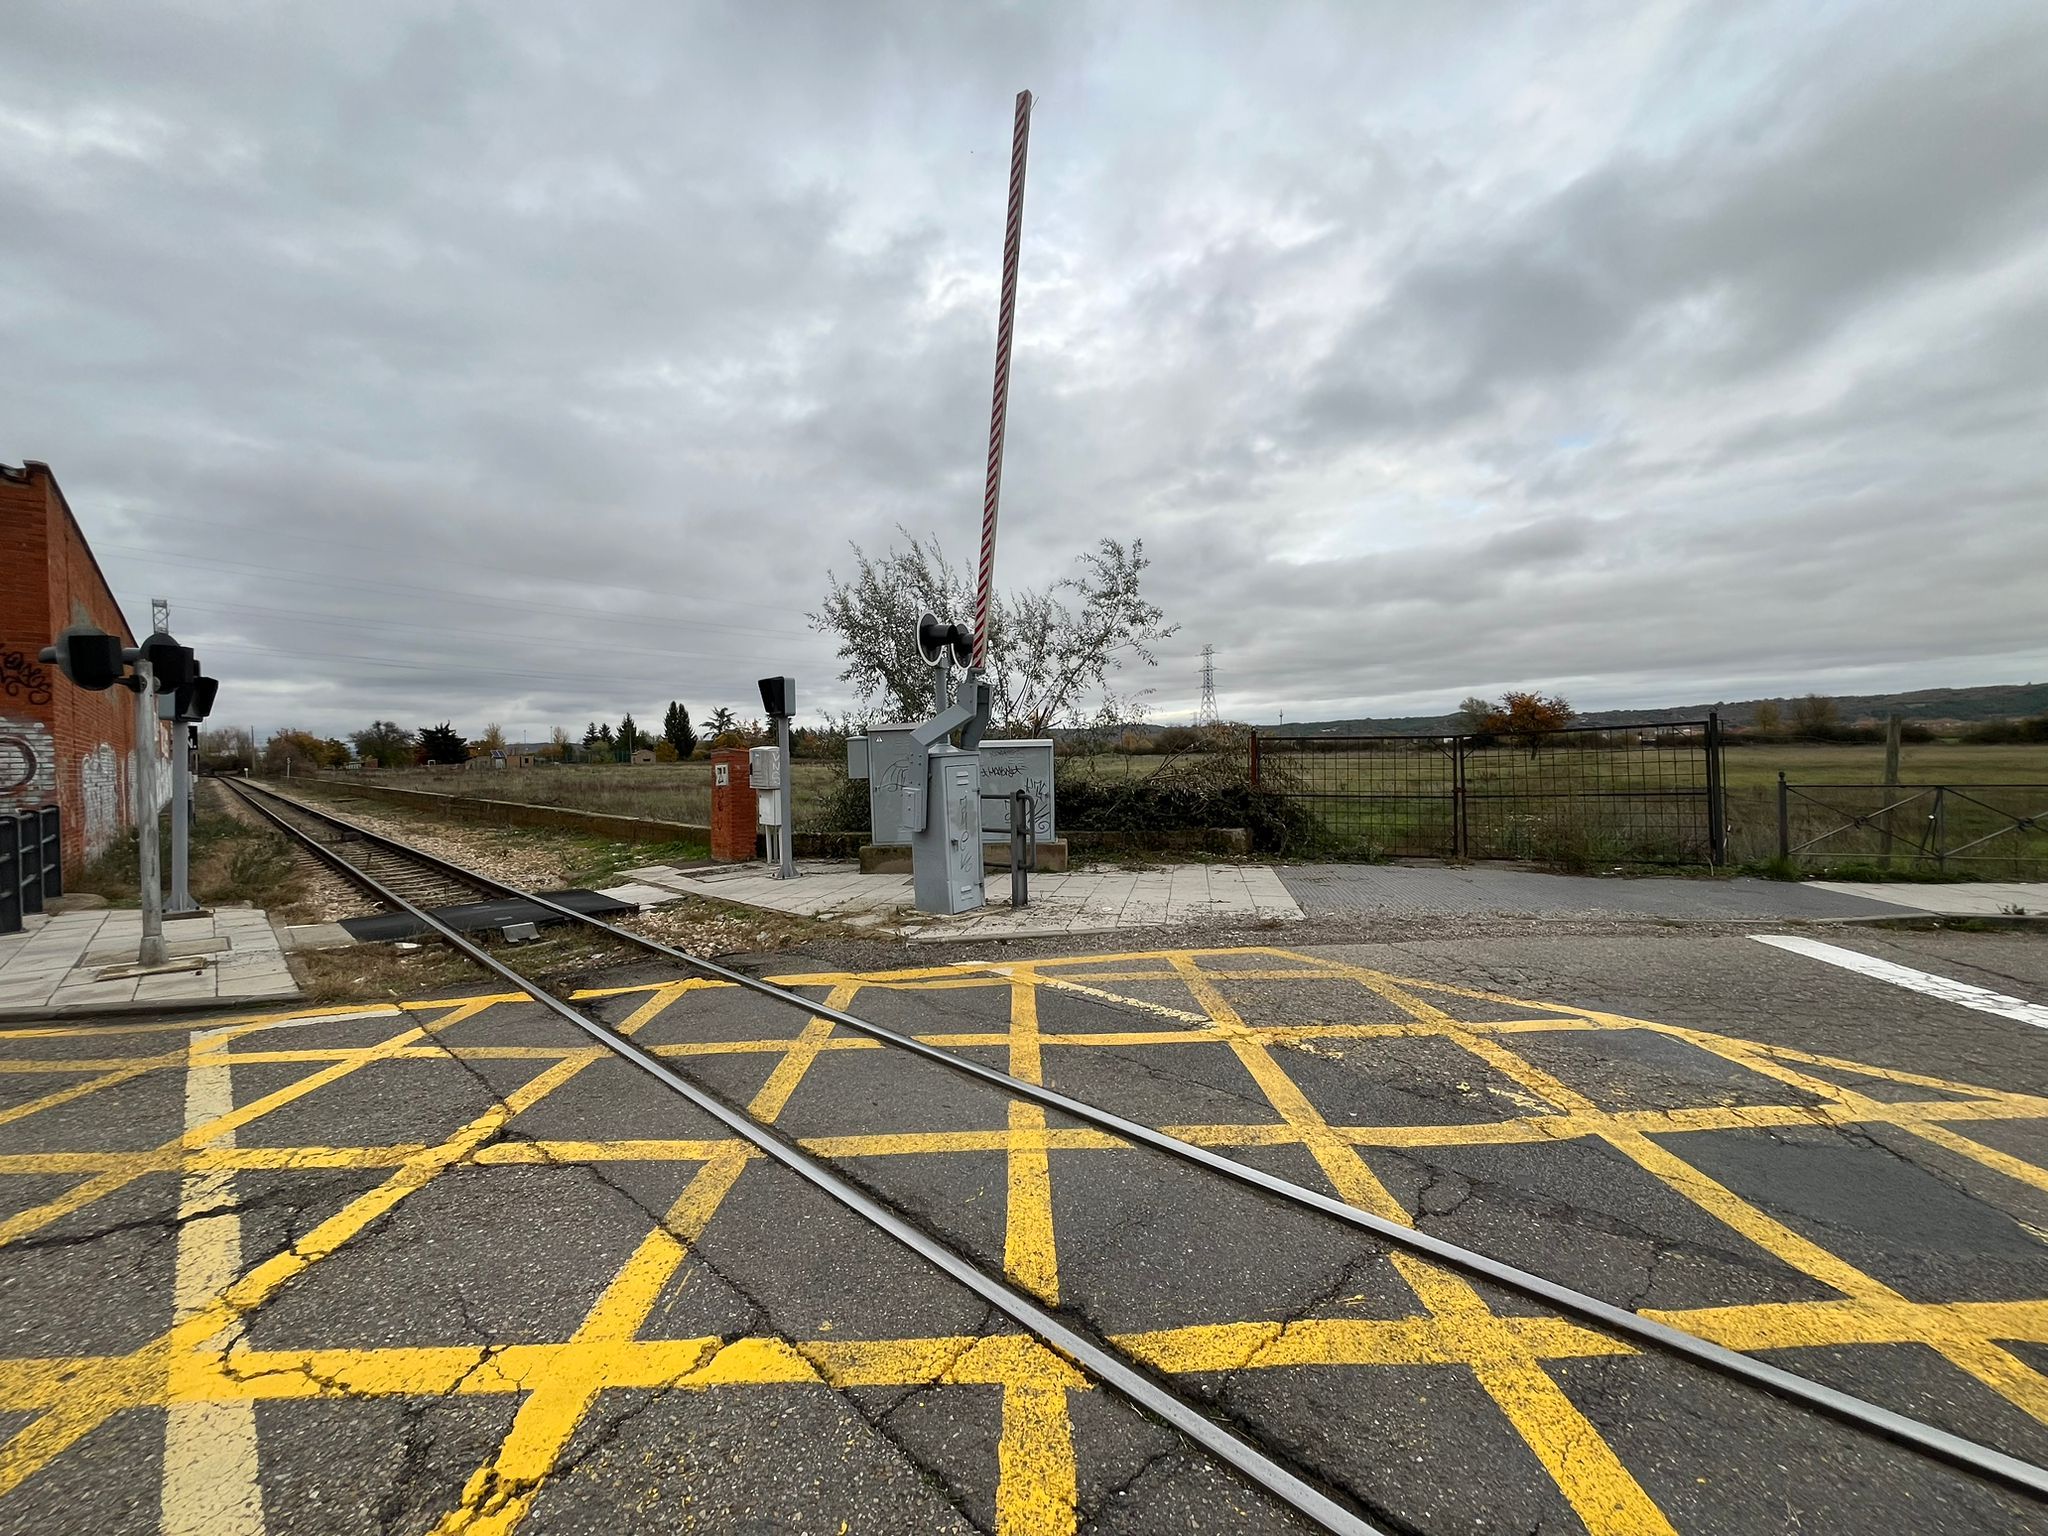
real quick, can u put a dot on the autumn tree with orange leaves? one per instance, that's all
(1527, 718)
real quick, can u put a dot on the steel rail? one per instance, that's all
(1942, 1445)
(1093, 1357)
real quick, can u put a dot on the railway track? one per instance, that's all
(367, 860)
(387, 869)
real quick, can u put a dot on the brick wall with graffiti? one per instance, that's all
(59, 744)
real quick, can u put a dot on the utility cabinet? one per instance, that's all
(946, 849)
(764, 771)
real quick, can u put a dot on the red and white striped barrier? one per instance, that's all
(1006, 315)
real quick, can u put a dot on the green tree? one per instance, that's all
(1473, 715)
(722, 721)
(226, 749)
(293, 751)
(441, 744)
(676, 731)
(385, 743)
(629, 737)
(1052, 649)
(1767, 717)
(1815, 715)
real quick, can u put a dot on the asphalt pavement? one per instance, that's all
(449, 1267)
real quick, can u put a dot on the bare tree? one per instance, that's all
(1053, 650)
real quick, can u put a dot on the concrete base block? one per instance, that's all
(894, 858)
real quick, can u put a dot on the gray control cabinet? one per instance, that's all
(946, 848)
(1006, 767)
(894, 763)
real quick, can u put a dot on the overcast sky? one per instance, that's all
(533, 362)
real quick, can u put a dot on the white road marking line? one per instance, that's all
(1980, 998)
(210, 1484)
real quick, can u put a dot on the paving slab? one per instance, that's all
(1076, 901)
(1974, 898)
(56, 972)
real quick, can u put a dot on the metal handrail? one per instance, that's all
(1023, 843)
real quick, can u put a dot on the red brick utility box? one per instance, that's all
(733, 825)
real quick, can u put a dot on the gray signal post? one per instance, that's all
(176, 707)
(778, 698)
(152, 951)
(91, 658)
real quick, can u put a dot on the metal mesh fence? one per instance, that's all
(1979, 829)
(1645, 794)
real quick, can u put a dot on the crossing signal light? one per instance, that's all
(195, 699)
(778, 697)
(171, 665)
(935, 639)
(88, 656)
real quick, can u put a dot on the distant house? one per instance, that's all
(504, 757)
(643, 755)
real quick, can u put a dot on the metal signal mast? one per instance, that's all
(1207, 714)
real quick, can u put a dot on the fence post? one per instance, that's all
(1892, 728)
(1940, 828)
(1461, 842)
(1784, 820)
(10, 875)
(1255, 759)
(53, 851)
(1717, 813)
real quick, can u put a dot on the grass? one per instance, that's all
(584, 859)
(231, 860)
(658, 791)
(1933, 762)
(1549, 820)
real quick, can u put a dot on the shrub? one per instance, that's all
(1187, 794)
(2004, 733)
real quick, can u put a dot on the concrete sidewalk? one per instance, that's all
(1975, 898)
(1082, 902)
(53, 967)
(1414, 890)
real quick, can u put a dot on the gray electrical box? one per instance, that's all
(946, 849)
(895, 763)
(1006, 767)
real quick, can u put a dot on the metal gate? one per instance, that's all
(1622, 794)
(31, 864)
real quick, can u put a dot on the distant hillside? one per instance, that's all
(2003, 701)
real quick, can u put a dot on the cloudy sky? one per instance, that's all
(534, 362)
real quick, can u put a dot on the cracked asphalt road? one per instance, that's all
(449, 1267)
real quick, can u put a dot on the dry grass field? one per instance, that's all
(663, 791)
(1396, 802)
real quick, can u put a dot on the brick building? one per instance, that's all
(59, 744)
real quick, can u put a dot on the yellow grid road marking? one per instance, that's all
(201, 1361)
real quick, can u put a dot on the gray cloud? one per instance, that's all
(533, 364)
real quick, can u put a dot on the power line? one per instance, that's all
(325, 619)
(211, 563)
(466, 564)
(581, 680)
